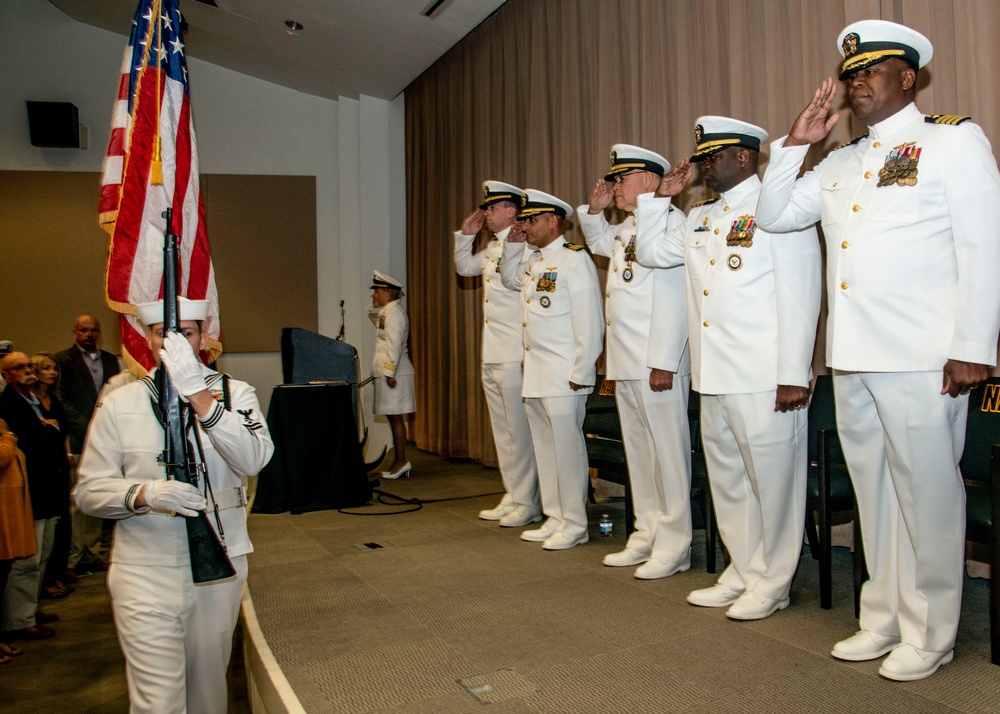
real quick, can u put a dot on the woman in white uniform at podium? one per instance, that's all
(391, 368)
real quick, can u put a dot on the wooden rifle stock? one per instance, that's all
(209, 560)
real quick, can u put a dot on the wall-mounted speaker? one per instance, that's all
(54, 124)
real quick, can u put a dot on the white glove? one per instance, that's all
(182, 365)
(175, 497)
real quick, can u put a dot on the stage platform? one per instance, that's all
(436, 611)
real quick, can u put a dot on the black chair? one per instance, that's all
(980, 467)
(605, 449)
(829, 490)
(701, 492)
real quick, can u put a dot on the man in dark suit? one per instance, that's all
(84, 368)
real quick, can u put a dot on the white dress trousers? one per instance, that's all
(911, 500)
(501, 368)
(756, 460)
(156, 609)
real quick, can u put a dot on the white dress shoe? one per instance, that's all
(405, 471)
(520, 515)
(540, 535)
(495, 514)
(654, 569)
(754, 606)
(625, 558)
(864, 645)
(907, 663)
(562, 541)
(716, 596)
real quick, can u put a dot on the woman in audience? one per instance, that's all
(17, 524)
(46, 389)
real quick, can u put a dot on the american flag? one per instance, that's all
(152, 136)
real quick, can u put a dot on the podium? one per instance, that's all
(317, 463)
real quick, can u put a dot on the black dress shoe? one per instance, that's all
(37, 632)
(45, 618)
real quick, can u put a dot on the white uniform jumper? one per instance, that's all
(176, 636)
(911, 278)
(563, 335)
(752, 310)
(647, 328)
(501, 370)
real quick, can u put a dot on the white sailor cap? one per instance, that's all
(496, 191)
(625, 157)
(384, 280)
(869, 42)
(712, 134)
(534, 202)
(151, 313)
(6, 346)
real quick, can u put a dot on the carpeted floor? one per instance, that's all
(436, 611)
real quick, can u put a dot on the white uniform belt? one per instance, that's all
(231, 498)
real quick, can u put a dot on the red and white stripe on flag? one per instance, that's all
(153, 101)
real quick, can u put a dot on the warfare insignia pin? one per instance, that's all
(735, 261)
(850, 45)
(900, 166)
(544, 301)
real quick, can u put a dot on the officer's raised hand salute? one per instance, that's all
(815, 121)
(674, 181)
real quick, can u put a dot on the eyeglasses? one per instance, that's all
(620, 178)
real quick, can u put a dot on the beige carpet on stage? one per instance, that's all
(437, 611)
(449, 614)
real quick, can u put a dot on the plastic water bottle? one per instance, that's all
(606, 526)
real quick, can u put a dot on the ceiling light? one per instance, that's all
(293, 25)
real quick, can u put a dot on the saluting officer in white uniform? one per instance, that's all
(563, 334)
(502, 350)
(910, 212)
(176, 636)
(392, 369)
(753, 302)
(648, 359)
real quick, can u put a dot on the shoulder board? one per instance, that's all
(573, 246)
(852, 142)
(951, 119)
(704, 203)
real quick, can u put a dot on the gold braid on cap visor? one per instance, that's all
(716, 144)
(526, 212)
(866, 58)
